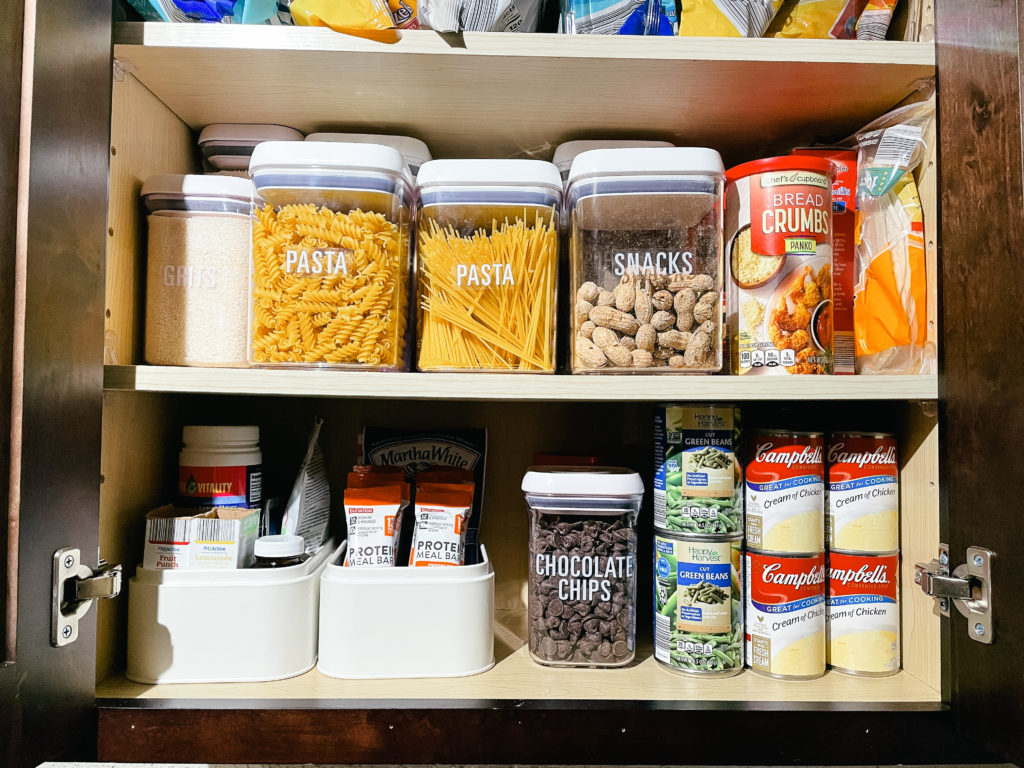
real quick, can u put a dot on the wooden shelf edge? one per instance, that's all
(277, 38)
(502, 386)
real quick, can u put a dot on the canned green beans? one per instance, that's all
(698, 484)
(698, 613)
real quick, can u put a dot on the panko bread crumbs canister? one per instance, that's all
(864, 614)
(778, 230)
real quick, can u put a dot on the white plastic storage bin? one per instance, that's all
(245, 625)
(366, 615)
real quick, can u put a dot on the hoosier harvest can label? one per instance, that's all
(785, 621)
(863, 493)
(698, 485)
(698, 613)
(864, 614)
(785, 492)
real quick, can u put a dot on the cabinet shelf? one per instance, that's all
(686, 90)
(517, 678)
(510, 386)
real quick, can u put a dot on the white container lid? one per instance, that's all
(664, 161)
(204, 434)
(415, 152)
(194, 185)
(583, 482)
(490, 173)
(338, 157)
(237, 134)
(282, 545)
(566, 152)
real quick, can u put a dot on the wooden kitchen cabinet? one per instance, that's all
(480, 95)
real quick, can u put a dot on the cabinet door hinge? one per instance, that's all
(75, 588)
(968, 587)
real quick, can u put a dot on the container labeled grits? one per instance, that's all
(698, 483)
(862, 498)
(786, 615)
(778, 230)
(698, 613)
(785, 492)
(864, 614)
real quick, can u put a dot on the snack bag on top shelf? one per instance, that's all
(890, 309)
(726, 18)
(480, 15)
(838, 19)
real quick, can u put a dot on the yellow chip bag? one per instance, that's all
(818, 19)
(343, 15)
(726, 18)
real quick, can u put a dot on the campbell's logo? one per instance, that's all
(772, 573)
(863, 575)
(768, 453)
(837, 454)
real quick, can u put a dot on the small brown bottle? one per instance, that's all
(279, 551)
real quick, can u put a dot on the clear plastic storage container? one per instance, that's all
(413, 150)
(582, 574)
(197, 269)
(330, 255)
(646, 260)
(228, 146)
(487, 253)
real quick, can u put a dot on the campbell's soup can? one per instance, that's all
(698, 486)
(698, 604)
(863, 493)
(785, 492)
(785, 621)
(778, 229)
(864, 613)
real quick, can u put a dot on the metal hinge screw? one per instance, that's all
(944, 558)
(979, 630)
(979, 561)
(66, 632)
(944, 604)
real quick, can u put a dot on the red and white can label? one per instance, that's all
(207, 487)
(790, 212)
(864, 613)
(863, 494)
(785, 627)
(785, 493)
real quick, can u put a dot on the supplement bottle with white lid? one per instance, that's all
(279, 551)
(220, 467)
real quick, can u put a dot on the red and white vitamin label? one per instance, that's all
(863, 494)
(785, 493)
(785, 627)
(864, 613)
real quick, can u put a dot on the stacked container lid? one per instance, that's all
(228, 146)
(415, 152)
(330, 254)
(566, 152)
(488, 265)
(646, 260)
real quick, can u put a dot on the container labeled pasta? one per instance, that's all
(645, 242)
(330, 255)
(487, 259)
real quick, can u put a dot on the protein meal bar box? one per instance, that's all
(419, 449)
(220, 538)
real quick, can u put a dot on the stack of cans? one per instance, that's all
(863, 540)
(698, 520)
(785, 560)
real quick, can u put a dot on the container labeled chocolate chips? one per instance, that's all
(582, 575)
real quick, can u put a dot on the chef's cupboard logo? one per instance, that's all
(786, 178)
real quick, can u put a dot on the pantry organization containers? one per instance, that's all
(228, 146)
(487, 259)
(645, 239)
(582, 570)
(330, 251)
(197, 282)
(415, 152)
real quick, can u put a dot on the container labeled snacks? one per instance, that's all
(413, 150)
(582, 572)
(487, 255)
(646, 260)
(228, 146)
(330, 255)
(779, 234)
(197, 278)
(567, 151)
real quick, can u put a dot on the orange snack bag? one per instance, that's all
(373, 515)
(442, 511)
